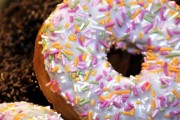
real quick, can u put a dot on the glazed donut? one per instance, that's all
(26, 111)
(71, 64)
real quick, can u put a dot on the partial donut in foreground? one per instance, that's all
(26, 111)
(71, 64)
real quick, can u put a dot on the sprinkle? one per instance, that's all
(94, 72)
(72, 37)
(136, 13)
(89, 115)
(121, 92)
(176, 94)
(92, 102)
(87, 75)
(118, 22)
(98, 77)
(67, 56)
(76, 100)
(153, 93)
(67, 68)
(84, 101)
(135, 91)
(155, 113)
(69, 97)
(84, 56)
(68, 52)
(153, 104)
(116, 104)
(118, 78)
(140, 35)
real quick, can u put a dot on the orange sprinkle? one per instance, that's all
(57, 46)
(107, 116)
(19, 116)
(135, 13)
(140, 35)
(77, 79)
(145, 65)
(92, 102)
(84, 56)
(150, 47)
(58, 55)
(166, 49)
(94, 72)
(159, 62)
(106, 97)
(173, 69)
(107, 64)
(133, 3)
(153, 93)
(72, 37)
(85, 7)
(76, 60)
(87, 75)
(68, 45)
(110, 2)
(66, 25)
(148, 87)
(166, 115)
(76, 100)
(118, 78)
(107, 13)
(163, 1)
(107, 19)
(73, 75)
(179, 105)
(67, 68)
(82, 38)
(133, 111)
(121, 92)
(55, 69)
(146, 5)
(176, 93)
(150, 1)
(153, 104)
(77, 28)
(89, 115)
(149, 118)
(105, 88)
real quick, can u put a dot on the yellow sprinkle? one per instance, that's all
(92, 102)
(68, 52)
(57, 46)
(58, 55)
(76, 100)
(118, 78)
(176, 93)
(140, 35)
(84, 56)
(77, 28)
(77, 79)
(120, 92)
(94, 72)
(89, 115)
(168, 37)
(138, 102)
(66, 25)
(73, 75)
(67, 68)
(107, 116)
(107, 64)
(163, 1)
(153, 93)
(105, 89)
(55, 69)
(68, 45)
(72, 37)
(150, 1)
(107, 96)
(76, 60)
(107, 19)
(135, 13)
(153, 104)
(87, 75)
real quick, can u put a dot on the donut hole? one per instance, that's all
(125, 63)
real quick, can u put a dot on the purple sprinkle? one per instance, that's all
(164, 53)
(117, 88)
(73, 10)
(71, 19)
(105, 104)
(123, 16)
(177, 112)
(177, 21)
(125, 96)
(143, 88)
(116, 104)
(118, 22)
(69, 97)
(127, 30)
(165, 68)
(135, 91)
(94, 60)
(162, 13)
(149, 41)
(175, 103)
(83, 114)
(109, 24)
(98, 91)
(141, 4)
(98, 77)
(102, 9)
(141, 16)
(169, 32)
(133, 25)
(46, 55)
(168, 103)
(109, 7)
(176, 32)
(172, 114)
(97, 118)
(130, 105)
(127, 108)
(53, 52)
(80, 42)
(149, 27)
(174, 40)
(124, 100)
(157, 48)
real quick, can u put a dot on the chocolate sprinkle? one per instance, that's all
(20, 22)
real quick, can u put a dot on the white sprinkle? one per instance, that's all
(63, 81)
(88, 94)
(40, 42)
(45, 37)
(149, 7)
(97, 27)
(52, 64)
(82, 25)
(94, 116)
(110, 33)
(166, 12)
(60, 31)
(81, 77)
(148, 108)
(101, 16)
(93, 21)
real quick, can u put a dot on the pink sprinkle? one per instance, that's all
(117, 116)
(135, 91)
(117, 88)
(102, 9)
(83, 114)
(85, 107)
(164, 53)
(109, 78)
(110, 24)
(105, 73)
(56, 20)
(109, 7)
(46, 55)
(69, 97)
(149, 27)
(175, 103)
(155, 113)
(98, 77)
(149, 41)
(169, 32)
(71, 19)
(63, 59)
(162, 13)
(172, 114)
(176, 32)
(127, 108)
(73, 10)
(177, 21)
(165, 68)
(101, 85)
(141, 16)
(80, 14)
(80, 42)
(130, 105)
(105, 104)
(123, 16)
(63, 6)
(118, 22)
(133, 25)
(127, 30)
(116, 104)
(104, 44)
(141, 4)
(174, 40)
(94, 61)
(71, 26)
(157, 48)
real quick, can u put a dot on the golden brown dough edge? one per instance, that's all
(58, 102)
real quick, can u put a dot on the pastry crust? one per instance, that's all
(56, 100)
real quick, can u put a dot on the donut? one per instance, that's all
(72, 69)
(26, 111)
